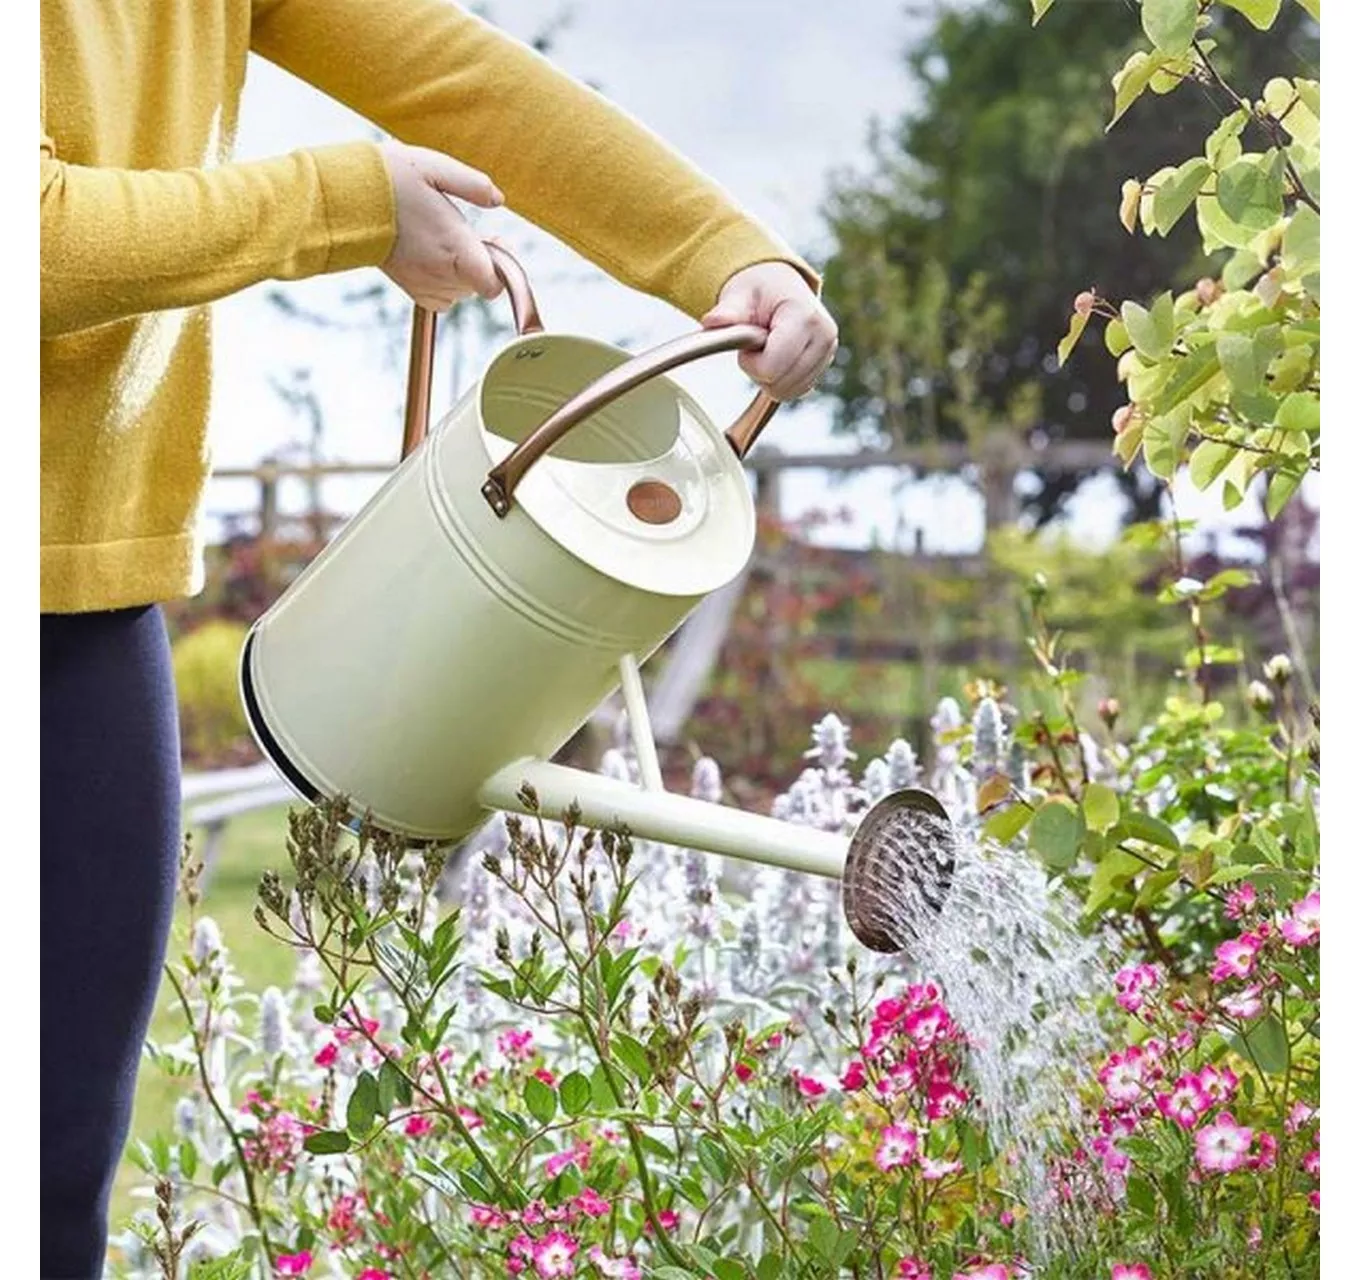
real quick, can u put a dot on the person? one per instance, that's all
(145, 222)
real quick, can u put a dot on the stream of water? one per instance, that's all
(1017, 975)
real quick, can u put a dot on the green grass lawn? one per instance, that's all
(253, 842)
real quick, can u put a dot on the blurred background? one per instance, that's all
(947, 167)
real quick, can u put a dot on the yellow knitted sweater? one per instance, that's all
(145, 221)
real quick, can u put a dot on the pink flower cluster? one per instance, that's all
(1134, 984)
(1134, 1081)
(910, 1060)
(554, 1254)
(1300, 928)
(913, 1051)
(916, 1269)
(276, 1142)
(1165, 1078)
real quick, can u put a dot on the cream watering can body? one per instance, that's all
(529, 552)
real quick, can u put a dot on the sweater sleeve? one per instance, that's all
(122, 242)
(431, 74)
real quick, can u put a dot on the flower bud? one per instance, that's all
(1278, 669)
(1084, 302)
(1260, 697)
(1108, 710)
(1121, 418)
(1208, 291)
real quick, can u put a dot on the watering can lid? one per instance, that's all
(681, 523)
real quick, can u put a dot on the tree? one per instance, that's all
(957, 251)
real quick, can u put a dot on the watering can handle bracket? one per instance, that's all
(420, 373)
(504, 478)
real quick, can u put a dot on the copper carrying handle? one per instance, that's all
(503, 479)
(420, 372)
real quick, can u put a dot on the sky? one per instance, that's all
(770, 97)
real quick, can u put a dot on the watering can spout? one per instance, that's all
(666, 817)
(900, 860)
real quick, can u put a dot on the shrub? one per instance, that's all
(212, 722)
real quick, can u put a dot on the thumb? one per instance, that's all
(728, 311)
(454, 178)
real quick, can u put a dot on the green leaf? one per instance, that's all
(601, 1093)
(1075, 328)
(1130, 201)
(1137, 825)
(541, 1100)
(1154, 886)
(714, 1159)
(1251, 191)
(1301, 250)
(824, 1236)
(1300, 411)
(1141, 1197)
(771, 1266)
(1260, 13)
(575, 1093)
(1222, 146)
(1207, 462)
(393, 1087)
(363, 1104)
(230, 1267)
(1227, 580)
(1266, 1044)
(1246, 357)
(1148, 197)
(633, 1056)
(1218, 230)
(1313, 8)
(1164, 440)
(1112, 871)
(1151, 332)
(1004, 826)
(1128, 442)
(188, 1159)
(1283, 486)
(1264, 839)
(1056, 833)
(1176, 194)
(1131, 81)
(1170, 24)
(1100, 806)
(328, 1142)
(1040, 8)
(1117, 338)
(1296, 107)
(1189, 374)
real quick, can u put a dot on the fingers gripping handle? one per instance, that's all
(420, 372)
(502, 480)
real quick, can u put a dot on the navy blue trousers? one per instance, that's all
(109, 852)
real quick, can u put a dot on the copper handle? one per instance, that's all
(420, 372)
(503, 479)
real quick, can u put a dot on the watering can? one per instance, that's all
(528, 553)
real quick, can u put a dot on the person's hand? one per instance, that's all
(802, 337)
(438, 258)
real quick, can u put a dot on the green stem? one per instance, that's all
(256, 1214)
